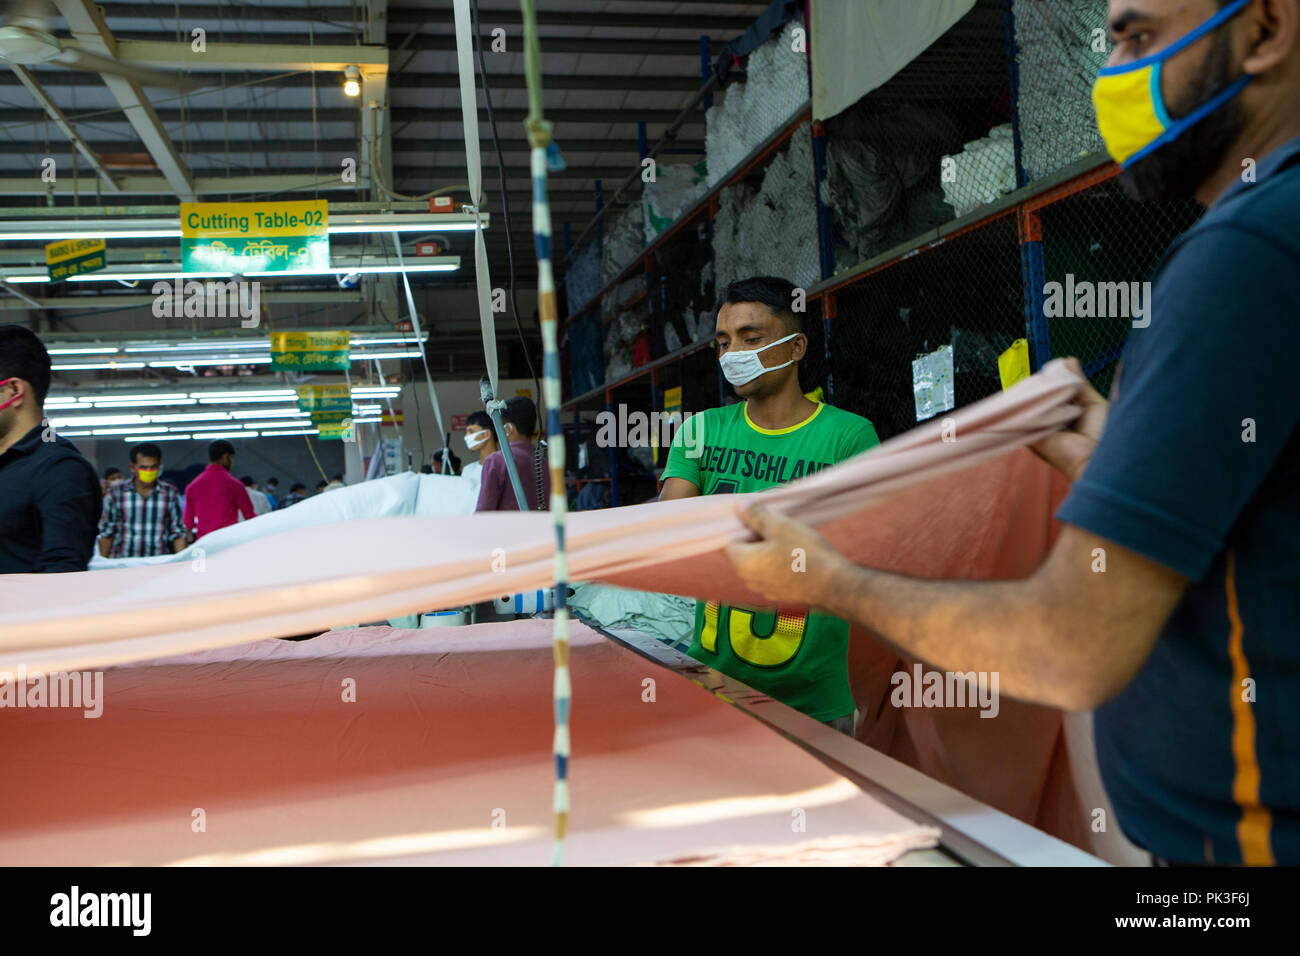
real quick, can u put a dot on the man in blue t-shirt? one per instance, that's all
(1188, 645)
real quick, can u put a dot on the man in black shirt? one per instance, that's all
(50, 499)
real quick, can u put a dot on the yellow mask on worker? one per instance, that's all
(147, 476)
(1131, 113)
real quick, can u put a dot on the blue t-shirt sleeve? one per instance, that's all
(1206, 403)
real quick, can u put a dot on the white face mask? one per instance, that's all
(743, 366)
(476, 440)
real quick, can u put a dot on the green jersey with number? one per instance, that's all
(800, 658)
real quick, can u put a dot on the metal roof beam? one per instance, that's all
(89, 29)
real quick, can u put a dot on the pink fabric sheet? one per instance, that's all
(443, 758)
(310, 579)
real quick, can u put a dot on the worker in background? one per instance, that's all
(335, 483)
(272, 491)
(295, 495)
(112, 476)
(1186, 484)
(261, 503)
(452, 462)
(495, 491)
(774, 435)
(50, 497)
(142, 517)
(216, 498)
(481, 441)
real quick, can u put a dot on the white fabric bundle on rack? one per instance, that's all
(771, 231)
(1057, 60)
(775, 87)
(674, 190)
(623, 240)
(980, 173)
(582, 275)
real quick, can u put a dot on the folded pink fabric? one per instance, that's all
(311, 579)
(421, 747)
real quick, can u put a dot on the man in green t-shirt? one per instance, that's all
(774, 435)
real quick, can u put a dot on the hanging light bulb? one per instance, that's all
(352, 81)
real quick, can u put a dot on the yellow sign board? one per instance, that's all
(1013, 364)
(310, 351)
(255, 237)
(71, 257)
(253, 220)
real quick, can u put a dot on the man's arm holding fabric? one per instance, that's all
(1068, 636)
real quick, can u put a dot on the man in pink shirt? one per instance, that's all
(216, 498)
(495, 493)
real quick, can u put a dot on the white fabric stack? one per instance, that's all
(582, 275)
(400, 495)
(984, 170)
(775, 87)
(1057, 65)
(771, 231)
(674, 190)
(623, 240)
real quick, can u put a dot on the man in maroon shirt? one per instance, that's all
(495, 493)
(216, 498)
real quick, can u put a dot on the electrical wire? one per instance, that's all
(505, 199)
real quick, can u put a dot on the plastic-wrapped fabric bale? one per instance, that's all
(681, 288)
(582, 275)
(1059, 52)
(586, 358)
(674, 190)
(619, 296)
(620, 337)
(624, 239)
(984, 170)
(882, 176)
(775, 87)
(771, 230)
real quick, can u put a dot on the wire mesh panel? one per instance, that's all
(681, 289)
(933, 143)
(965, 294)
(1060, 46)
(1099, 247)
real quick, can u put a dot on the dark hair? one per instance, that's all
(338, 478)
(522, 413)
(218, 448)
(451, 457)
(426, 469)
(273, 481)
(148, 449)
(775, 293)
(481, 419)
(111, 471)
(296, 486)
(23, 355)
(321, 484)
(247, 480)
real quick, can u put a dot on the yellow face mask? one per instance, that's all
(147, 476)
(1131, 112)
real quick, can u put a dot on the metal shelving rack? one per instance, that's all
(1002, 253)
